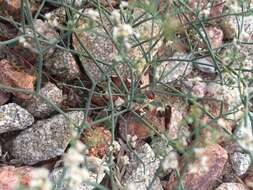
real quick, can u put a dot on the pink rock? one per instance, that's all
(199, 176)
(11, 177)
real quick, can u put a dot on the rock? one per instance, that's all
(133, 125)
(231, 24)
(13, 117)
(142, 169)
(56, 17)
(240, 162)
(12, 8)
(39, 107)
(231, 186)
(217, 93)
(169, 71)
(248, 180)
(202, 173)
(27, 46)
(195, 86)
(11, 177)
(4, 97)
(45, 139)
(205, 65)
(62, 65)
(95, 176)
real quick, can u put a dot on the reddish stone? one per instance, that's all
(202, 179)
(11, 177)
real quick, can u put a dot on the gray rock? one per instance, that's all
(205, 65)
(94, 176)
(231, 186)
(39, 107)
(240, 162)
(169, 71)
(142, 169)
(45, 139)
(62, 65)
(13, 117)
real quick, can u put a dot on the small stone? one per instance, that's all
(205, 65)
(229, 26)
(240, 162)
(169, 71)
(45, 139)
(39, 107)
(142, 169)
(231, 186)
(95, 176)
(195, 86)
(11, 177)
(13, 117)
(62, 65)
(199, 176)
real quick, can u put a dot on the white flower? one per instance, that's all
(73, 157)
(76, 176)
(123, 4)
(40, 179)
(125, 160)
(92, 14)
(130, 186)
(115, 16)
(170, 161)
(123, 30)
(115, 147)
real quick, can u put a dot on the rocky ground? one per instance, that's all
(126, 95)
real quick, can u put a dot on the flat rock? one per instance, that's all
(142, 169)
(169, 71)
(231, 186)
(39, 107)
(11, 177)
(205, 65)
(45, 139)
(240, 162)
(13, 117)
(199, 176)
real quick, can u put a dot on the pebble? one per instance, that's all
(240, 162)
(44, 140)
(62, 65)
(39, 107)
(13, 117)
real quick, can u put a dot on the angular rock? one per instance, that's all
(201, 176)
(45, 139)
(231, 186)
(137, 175)
(169, 71)
(11, 177)
(95, 176)
(62, 65)
(240, 162)
(13, 117)
(205, 65)
(39, 107)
